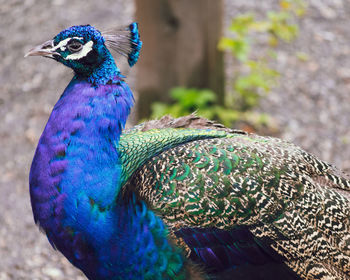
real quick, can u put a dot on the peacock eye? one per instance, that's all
(75, 47)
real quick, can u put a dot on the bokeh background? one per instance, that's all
(310, 106)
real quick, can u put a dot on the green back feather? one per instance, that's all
(136, 147)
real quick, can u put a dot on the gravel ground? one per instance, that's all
(312, 104)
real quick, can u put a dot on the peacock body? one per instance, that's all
(176, 198)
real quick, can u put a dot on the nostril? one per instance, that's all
(47, 45)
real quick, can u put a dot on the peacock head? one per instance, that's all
(83, 48)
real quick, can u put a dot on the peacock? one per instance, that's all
(183, 198)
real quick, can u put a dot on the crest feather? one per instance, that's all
(126, 41)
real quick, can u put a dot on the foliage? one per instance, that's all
(189, 100)
(253, 77)
(204, 103)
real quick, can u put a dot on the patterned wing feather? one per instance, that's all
(283, 199)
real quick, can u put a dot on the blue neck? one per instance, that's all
(75, 177)
(75, 174)
(75, 180)
(104, 70)
(107, 72)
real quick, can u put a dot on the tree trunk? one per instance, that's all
(180, 40)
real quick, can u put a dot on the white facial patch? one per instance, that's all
(62, 45)
(83, 52)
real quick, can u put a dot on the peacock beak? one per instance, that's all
(46, 49)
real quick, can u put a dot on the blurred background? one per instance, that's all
(274, 67)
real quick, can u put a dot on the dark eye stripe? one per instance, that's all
(73, 40)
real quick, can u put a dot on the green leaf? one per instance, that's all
(261, 26)
(239, 47)
(241, 24)
(158, 110)
(302, 56)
